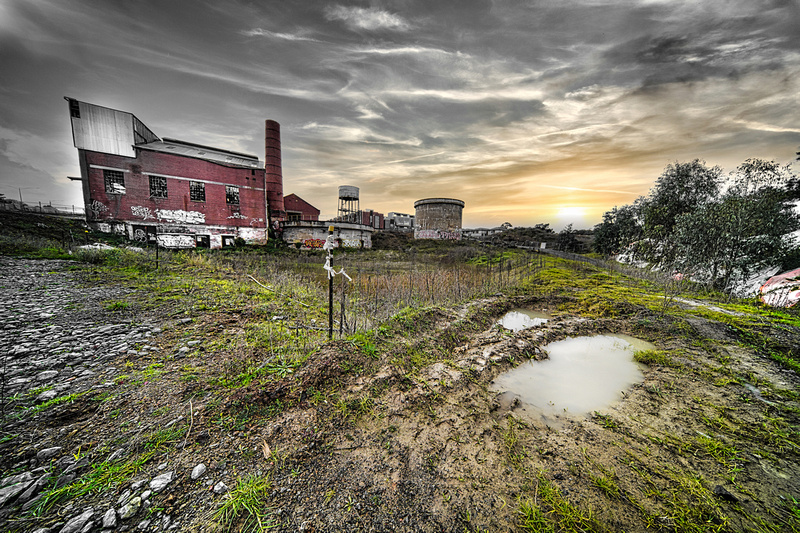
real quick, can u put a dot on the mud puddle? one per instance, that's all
(519, 319)
(581, 375)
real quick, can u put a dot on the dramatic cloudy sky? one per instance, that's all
(528, 110)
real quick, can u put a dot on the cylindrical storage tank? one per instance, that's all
(438, 218)
(348, 192)
(274, 169)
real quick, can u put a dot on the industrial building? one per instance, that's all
(372, 218)
(176, 193)
(399, 222)
(299, 209)
(353, 227)
(438, 218)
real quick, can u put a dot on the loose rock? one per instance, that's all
(198, 471)
(77, 524)
(161, 481)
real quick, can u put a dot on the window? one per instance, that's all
(115, 181)
(74, 109)
(158, 187)
(231, 195)
(197, 191)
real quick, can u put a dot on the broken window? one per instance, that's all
(197, 191)
(231, 195)
(115, 181)
(158, 187)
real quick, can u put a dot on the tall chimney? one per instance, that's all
(272, 164)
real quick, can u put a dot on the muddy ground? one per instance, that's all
(404, 434)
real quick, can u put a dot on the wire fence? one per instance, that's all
(47, 209)
(379, 289)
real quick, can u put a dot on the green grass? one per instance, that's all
(724, 453)
(245, 507)
(106, 475)
(32, 411)
(533, 519)
(655, 358)
(559, 513)
(605, 420)
(163, 437)
(102, 477)
(608, 485)
(117, 306)
(355, 408)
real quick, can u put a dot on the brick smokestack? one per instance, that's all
(272, 164)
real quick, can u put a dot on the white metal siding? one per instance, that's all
(100, 129)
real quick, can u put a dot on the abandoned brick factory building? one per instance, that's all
(175, 193)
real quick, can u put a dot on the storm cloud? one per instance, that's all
(527, 111)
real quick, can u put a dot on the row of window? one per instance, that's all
(115, 184)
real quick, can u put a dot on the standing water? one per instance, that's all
(582, 375)
(519, 319)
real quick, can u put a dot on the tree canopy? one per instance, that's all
(717, 229)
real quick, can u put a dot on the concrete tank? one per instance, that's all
(438, 218)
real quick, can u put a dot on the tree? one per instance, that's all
(746, 230)
(682, 188)
(566, 240)
(621, 228)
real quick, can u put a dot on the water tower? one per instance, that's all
(349, 209)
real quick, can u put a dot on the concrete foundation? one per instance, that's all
(310, 235)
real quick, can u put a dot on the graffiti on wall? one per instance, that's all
(313, 243)
(142, 212)
(351, 243)
(176, 241)
(104, 227)
(238, 216)
(97, 208)
(253, 235)
(436, 234)
(140, 235)
(181, 216)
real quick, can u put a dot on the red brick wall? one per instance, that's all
(274, 169)
(292, 202)
(250, 212)
(372, 218)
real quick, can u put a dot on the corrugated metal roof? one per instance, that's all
(198, 151)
